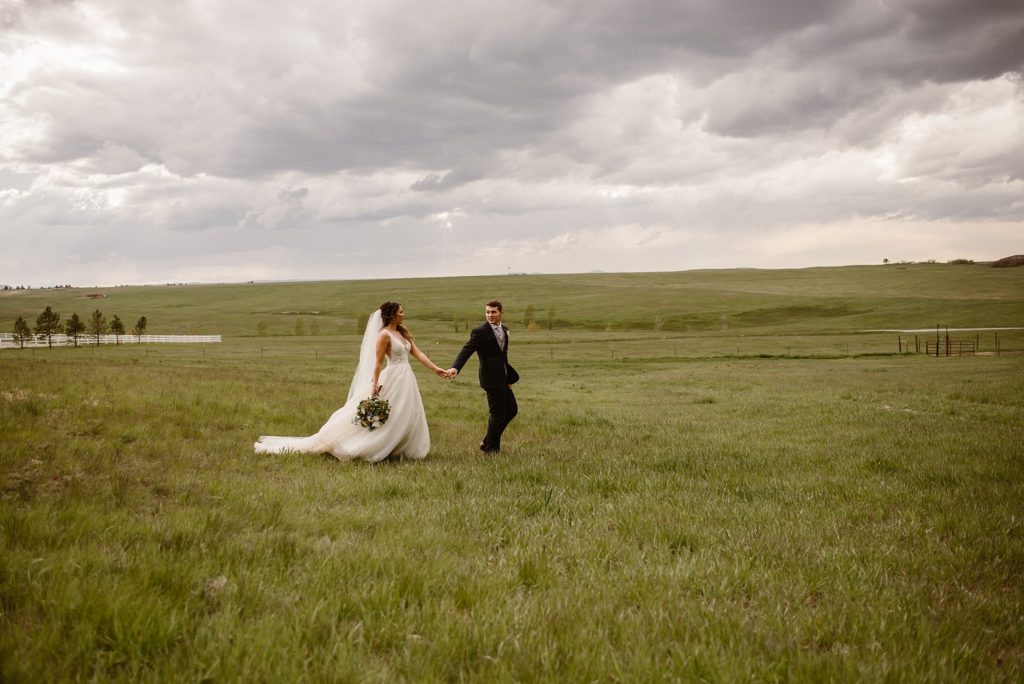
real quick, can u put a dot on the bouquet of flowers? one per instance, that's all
(372, 413)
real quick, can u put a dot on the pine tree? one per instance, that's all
(140, 328)
(48, 324)
(116, 327)
(22, 333)
(98, 325)
(74, 328)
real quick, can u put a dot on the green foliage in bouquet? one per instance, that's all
(372, 413)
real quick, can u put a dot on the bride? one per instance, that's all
(405, 433)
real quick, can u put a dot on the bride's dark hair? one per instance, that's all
(388, 313)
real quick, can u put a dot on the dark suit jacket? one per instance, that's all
(495, 371)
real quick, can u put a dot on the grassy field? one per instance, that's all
(812, 301)
(773, 498)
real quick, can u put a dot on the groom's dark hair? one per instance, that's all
(494, 304)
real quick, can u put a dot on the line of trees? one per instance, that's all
(48, 324)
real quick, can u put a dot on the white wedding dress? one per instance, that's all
(405, 433)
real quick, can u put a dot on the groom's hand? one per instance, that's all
(451, 373)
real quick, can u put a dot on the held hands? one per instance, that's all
(447, 374)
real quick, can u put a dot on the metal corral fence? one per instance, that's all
(7, 340)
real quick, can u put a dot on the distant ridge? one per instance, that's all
(1010, 261)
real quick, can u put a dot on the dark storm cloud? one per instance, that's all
(916, 40)
(968, 40)
(444, 82)
(447, 86)
(865, 57)
(456, 89)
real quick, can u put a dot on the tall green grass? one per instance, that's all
(655, 515)
(715, 475)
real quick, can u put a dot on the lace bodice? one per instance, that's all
(400, 348)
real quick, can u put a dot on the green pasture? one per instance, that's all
(725, 302)
(776, 496)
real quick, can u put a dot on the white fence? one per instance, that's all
(7, 340)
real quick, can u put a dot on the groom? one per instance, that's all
(490, 343)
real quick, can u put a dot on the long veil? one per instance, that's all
(334, 431)
(363, 377)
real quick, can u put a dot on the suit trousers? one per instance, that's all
(502, 408)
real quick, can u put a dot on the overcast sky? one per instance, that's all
(207, 140)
